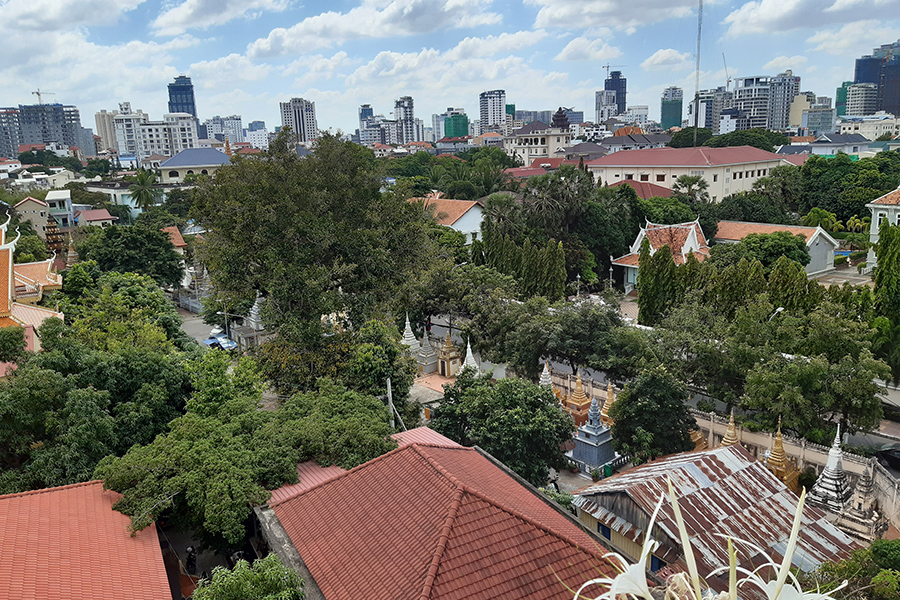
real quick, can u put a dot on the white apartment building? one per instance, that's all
(106, 128)
(783, 88)
(127, 125)
(493, 109)
(636, 115)
(536, 141)
(405, 116)
(605, 105)
(751, 97)
(300, 116)
(862, 99)
(258, 139)
(176, 132)
(726, 170)
(871, 127)
(230, 127)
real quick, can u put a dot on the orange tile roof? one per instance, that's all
(310, 473)
(738, 230)
(447, 210)
(29, 314)
(524, 172)
(428, 522)
(796, 159)
(673, 236)
(68, 542)
(889, 198)
(547, 163)
(7, 286)
(175, 236)
(645, 189)
(40, 202)
(40, 273)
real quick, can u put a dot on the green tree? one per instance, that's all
(887, 273)
(691, 189)
(651, 417)
(515, 421)
(582, 336)
(753, 206)
(657, 284)
(757, 137)
(134, 249)
(767, 248)
(818, 217)
(30, 248)
(142, 189)
(316, 235)
(685, 137)
(667, 211)
(12, 344)
(266, 579)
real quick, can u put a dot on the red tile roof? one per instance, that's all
(68, 542)
(41, 202)
(30, 147)
(738, 230)
(426, 522)
(685, 157)
(627, 130)
(892, 198)
(645, 189)
(796, 159)
(175, 236)
(97, 214)
(547, 163)
(524, 172)
(310, 473)
(447, 210)
(673, 236)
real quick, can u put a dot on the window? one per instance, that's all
(661, 178)
(173, 173)
(656, 564)
(645, 177)
(605, 531)
(42, 213)
(715, 178)
(629, 176)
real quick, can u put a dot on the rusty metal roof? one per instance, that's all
(723, 491)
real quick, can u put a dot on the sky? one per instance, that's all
(246, 56)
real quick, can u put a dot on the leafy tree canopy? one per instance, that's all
(134, 249)
(758, 138)
(685, 137)
(767, 248)
(515, 421)
(266, 579)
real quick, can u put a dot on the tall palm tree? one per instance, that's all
(142, 191)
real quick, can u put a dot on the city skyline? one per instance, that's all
(247, 57)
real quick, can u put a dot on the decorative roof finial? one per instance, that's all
(730, 438)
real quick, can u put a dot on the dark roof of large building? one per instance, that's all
(427, 522)
(533, 127)
(636, 139)
(68, 542)
(842, 138)
(685, 157)
(793, 149)
(196, 157)
(645, 189)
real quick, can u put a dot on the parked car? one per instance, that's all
(220, 342)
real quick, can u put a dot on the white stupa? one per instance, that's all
(409, 339)
(470, 358)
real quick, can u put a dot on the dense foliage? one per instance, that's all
(266, 579)
(517, 422)
(134, 249)
(870, 574)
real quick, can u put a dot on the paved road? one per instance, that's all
(193, 325)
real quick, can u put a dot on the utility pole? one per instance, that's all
(390, 402)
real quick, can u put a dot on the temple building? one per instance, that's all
(426, 357)
(731, 437)
(610, 399)
(831, 490)
(578, 404)
(448, 358)
(470, 359)
(409, 339)
(593, 442)
(545, 380)
(777, 462)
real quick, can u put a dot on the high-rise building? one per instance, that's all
(365, 114)
(176, 132)
(751, 97)
(46, 123)
(256, 126)
(492, 106)
(229, 127)
(882, 68)
(530, 116)
(10, 133)
(456, 125)
(573, 116)
(300, 116)
(106, 128)
(127, 125)
(618, 84)
(840, 98)
(672, 107)
(438, 122)
(638, 115)
(181, 96)
(510, 112)
(712, 103)
(782, 90)
(862, 99)
(405, 116)
(605, 105)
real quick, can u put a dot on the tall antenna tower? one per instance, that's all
(697, 74)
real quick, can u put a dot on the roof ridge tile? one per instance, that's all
(443, 538)
(52, 489)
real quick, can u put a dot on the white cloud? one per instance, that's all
(853, 39)
(582, 48)
(608, 13)
(203, 14)
(373, 19)
(233, 67)
(667, 59)
(776, 16)
(781, 63)
(488, 46)
(53, 15)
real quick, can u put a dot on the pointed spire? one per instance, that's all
(426, 350)
(409, 339)
(546, 380)
(578, 397)
(594, 413)
(71, 256)
(831, 490)
(470, 358)
(610, 399)
(778, 458)
(730, 438)
(698, 439)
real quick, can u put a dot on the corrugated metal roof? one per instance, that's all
(723, 491)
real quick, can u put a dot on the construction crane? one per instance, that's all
(39, 93)
(608, 66)
(727, 78)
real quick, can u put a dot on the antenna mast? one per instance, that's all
(697, 77)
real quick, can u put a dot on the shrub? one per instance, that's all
(858, 254)
(840, 259)
(861, 266)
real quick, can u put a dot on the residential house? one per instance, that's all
(98, 217)
(7, 165)
(193, 161)
(831, 143)
(638, 141)
(430, 520)
(69, 542)
(726, 170)
(682, 239)
(35, 212)
(489, 138)
(454, 144)
(722, 492)
(176, 238)
(886, 207)
(460, 215)
(821, 246)
(59, 203)
(537, 140)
